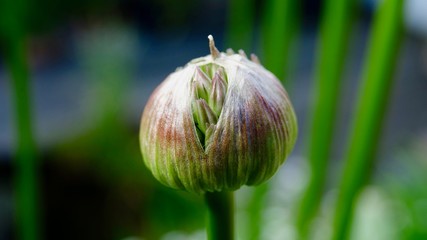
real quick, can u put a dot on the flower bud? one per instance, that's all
(218, 123)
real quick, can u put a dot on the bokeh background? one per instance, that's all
(93, 64)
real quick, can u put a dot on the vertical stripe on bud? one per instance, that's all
(219, 89)
(209, 132)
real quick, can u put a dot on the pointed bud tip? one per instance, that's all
(213, 49)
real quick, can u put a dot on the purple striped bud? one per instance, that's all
(218, 123)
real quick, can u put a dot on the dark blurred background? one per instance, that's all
(93, 65)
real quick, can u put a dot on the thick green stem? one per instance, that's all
(332, 47)
(373, 100)
(220, 215)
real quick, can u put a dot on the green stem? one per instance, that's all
(14, 15)
(334, 34)
(240, 24)
(220, 215)
(255, 210)
(373, 99)
(279, 29)
(26, 167)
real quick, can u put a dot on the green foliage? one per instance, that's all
(373, 100)
(279, 27)
(13, 31)
(241, 19)
(332, 48)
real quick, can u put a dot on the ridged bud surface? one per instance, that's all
(218, 123)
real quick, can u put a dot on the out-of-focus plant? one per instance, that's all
(332, 47)
(240, 24)
(281, 20)
(13, 44)
(405, 181)
(372, 103)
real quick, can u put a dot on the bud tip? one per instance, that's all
(214, 50)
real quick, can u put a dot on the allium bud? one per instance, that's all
(218, 123)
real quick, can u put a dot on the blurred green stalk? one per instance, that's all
(334, 34)
(373, 99)
(240, 24)
(13, 30)
(279, 28)
(220, 215)
(25, 162)
(255, 211)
